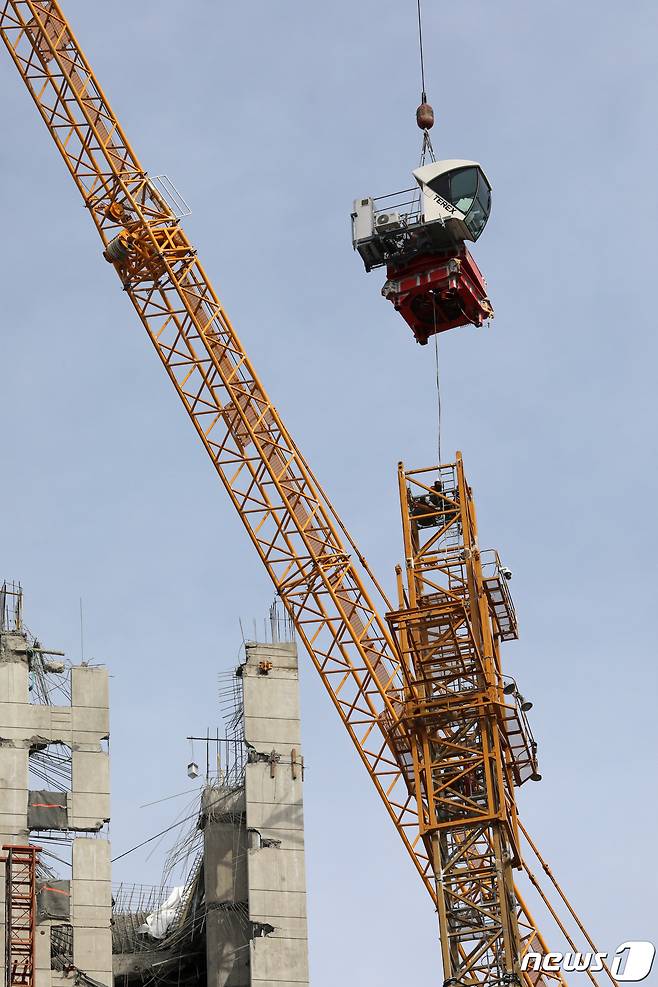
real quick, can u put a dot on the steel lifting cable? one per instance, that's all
(549, 873)
(421, 53)
(438, 381)
(426, 148)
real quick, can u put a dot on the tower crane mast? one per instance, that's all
(419, 690)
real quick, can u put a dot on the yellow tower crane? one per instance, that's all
(420, 690)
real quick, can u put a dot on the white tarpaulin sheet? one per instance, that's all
(158, 922)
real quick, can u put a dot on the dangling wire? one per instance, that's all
(423, 97)
(438, 385)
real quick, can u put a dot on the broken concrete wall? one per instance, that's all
(226, 892)
(27, 728)
(254, 846)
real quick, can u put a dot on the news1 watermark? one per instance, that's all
(630, 963)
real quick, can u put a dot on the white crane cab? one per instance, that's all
(457, 194)
(452, 204)
(420, 236)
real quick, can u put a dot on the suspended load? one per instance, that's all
(419, 236)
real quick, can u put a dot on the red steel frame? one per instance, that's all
(20, 914)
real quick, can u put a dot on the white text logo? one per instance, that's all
(631, 962)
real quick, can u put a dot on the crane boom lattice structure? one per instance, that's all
(428, 722)
(286, 515)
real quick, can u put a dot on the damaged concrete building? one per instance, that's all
(239, 917)
(55, 795)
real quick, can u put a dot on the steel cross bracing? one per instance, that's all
(20, 914)
(288, 517)
(456, 716)
(286, 514)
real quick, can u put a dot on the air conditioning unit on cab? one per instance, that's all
(387, 222)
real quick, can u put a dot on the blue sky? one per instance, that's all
(271, 119)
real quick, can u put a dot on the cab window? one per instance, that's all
(463, 185)
(468, 190)
(479, 211)
(441, 186)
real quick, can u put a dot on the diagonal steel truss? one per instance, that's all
(292, 525)
(285, 513)
(454, 714)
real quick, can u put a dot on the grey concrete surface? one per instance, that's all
(27, 725)
(254, 846)
(274, 798)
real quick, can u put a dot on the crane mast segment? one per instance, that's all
(420, 693)
(455, 725)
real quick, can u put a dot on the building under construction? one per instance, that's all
(417, 677)
(55, 807)
(240, 917)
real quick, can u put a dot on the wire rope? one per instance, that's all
(438, 383)
(427, 149)
(421, 52)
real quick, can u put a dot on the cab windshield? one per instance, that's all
(468, 190)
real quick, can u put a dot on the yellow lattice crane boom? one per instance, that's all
(420, 690)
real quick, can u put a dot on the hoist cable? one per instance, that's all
(438, 383)
(427, 148)
(420, 49)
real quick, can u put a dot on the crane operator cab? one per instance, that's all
(419, 236)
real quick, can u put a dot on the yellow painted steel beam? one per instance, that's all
(458, 733)
(291, 523)
(283, 509)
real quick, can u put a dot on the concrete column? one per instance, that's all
(43, 972)
(91, 908)
(225, 875)
(89, 804)
(83, 726)
(254, 839)
(275, 817)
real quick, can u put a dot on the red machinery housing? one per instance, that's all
(419, 236)
(438, 291)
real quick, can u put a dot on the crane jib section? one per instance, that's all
(285, 512)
